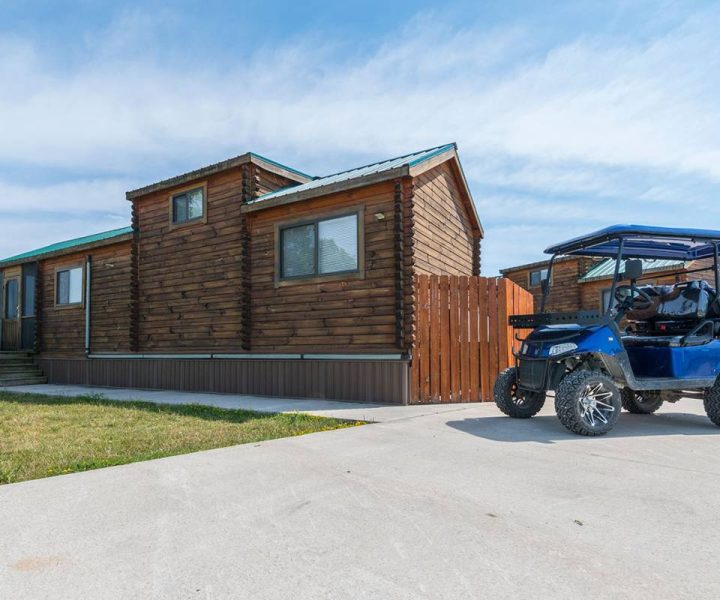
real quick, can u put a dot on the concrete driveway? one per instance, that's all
(464, 504)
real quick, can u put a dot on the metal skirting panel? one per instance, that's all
(349, 380)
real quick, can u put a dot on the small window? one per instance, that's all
(605, 300)
(188, 206)
(536, 277)
(68, 286)
(320, 248)
(28, 305)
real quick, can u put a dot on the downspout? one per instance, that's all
(88, 287)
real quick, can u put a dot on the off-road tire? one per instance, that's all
(521, 405)
(567, 400)
(641, 403)
(712, 402)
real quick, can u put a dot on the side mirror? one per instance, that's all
(633, 269)
(544, 285)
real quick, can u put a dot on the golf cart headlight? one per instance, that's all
(562, 348)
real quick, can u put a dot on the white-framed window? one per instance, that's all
(69, 286)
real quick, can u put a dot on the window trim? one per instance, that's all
(531, 271)
(69, 267)
(358, 273)
(189, 188)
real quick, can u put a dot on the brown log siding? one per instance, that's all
(62, 330)
(332, 315)
(444, 241)
(190, 277)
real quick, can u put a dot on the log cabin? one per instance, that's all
(248, 276)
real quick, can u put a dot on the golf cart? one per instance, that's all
(652, 344)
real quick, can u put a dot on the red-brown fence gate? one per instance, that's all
(462, 337)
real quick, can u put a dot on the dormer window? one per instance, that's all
(188, 206)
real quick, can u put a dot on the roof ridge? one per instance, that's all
(394, 158)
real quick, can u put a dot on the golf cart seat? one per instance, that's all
(683, 314)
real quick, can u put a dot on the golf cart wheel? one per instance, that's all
(712, 402)
(514, 402)
(641, 403)
(587, 402)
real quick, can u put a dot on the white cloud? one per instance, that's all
(600, 117)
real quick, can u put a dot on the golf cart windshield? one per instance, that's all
(623, 242)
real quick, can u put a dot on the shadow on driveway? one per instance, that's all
(547, 429)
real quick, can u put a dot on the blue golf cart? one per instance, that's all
(653, 344)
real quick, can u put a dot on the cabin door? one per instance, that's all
(11, 328)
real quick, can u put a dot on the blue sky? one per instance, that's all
(569, 116)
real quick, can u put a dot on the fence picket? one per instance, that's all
(435, 338)
(484, 345)
(454, 339)
(444, 333)
(474, 340)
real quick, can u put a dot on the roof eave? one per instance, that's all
(538, 263)
(333, 188)
(125, 237)
(231, 163)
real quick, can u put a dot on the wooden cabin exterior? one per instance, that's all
(250, 277)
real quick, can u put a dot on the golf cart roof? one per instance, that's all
(642, 241)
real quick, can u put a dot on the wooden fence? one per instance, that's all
(462, 337)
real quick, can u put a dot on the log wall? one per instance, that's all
(444, 239)
(62, 329)
(190, 277)
(343, 314)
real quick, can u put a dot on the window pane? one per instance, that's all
(338, 244)
(180, 209)
(75, 285)
(195, 204)
(11, 299)
(29, 296)
(537, 276)
(63, 287)
(298, 251)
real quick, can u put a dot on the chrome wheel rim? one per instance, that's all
(595, 405)
(518, 398)
(642, 399)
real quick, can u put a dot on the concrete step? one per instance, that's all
(21, 373)
(26, 381)
(14, 356)
(17, 365)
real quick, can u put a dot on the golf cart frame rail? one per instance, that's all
(639, 241)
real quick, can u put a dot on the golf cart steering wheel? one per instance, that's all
(639, 299)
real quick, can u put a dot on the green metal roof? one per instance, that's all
(606, 268)
(67, 245)
(409, 160)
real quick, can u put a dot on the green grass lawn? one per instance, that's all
(41, 436)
